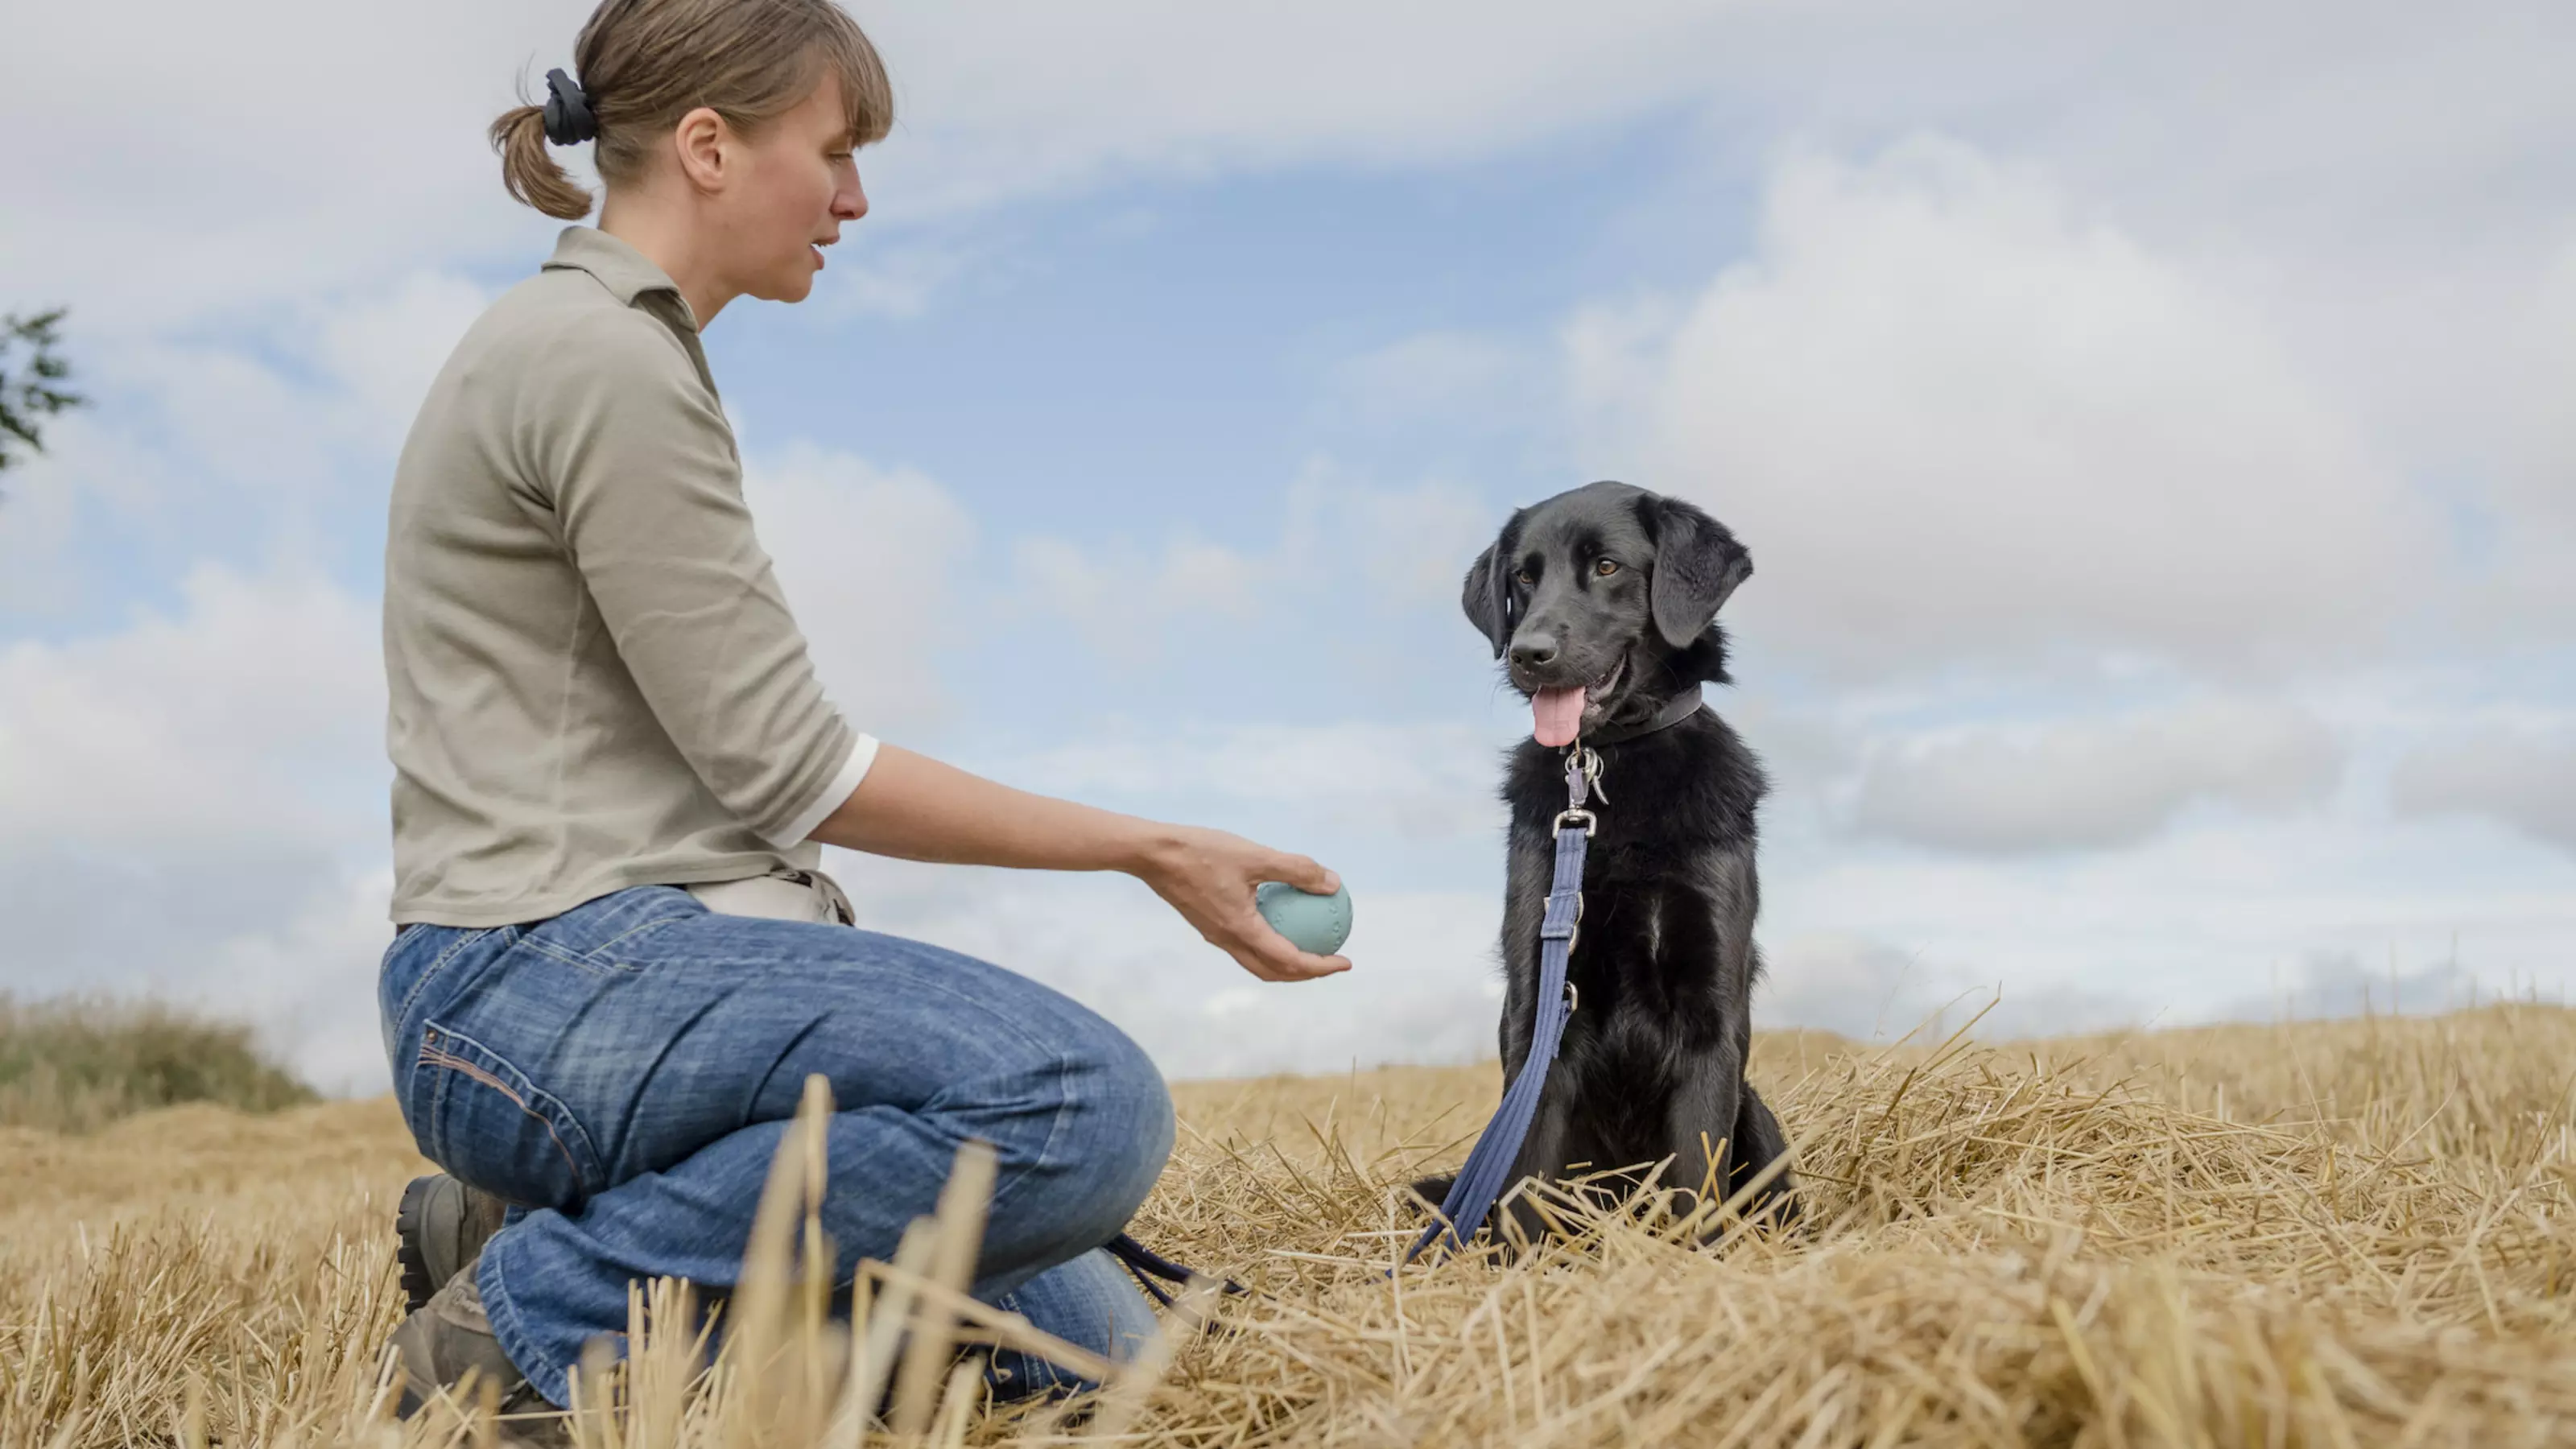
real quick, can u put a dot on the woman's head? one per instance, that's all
(757, 102)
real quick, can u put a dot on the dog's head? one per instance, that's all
(1610, 590)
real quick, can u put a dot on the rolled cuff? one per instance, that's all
(863, 753)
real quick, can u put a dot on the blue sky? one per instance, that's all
(2150, 426)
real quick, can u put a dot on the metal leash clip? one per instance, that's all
(1583, 757)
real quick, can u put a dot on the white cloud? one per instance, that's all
(1954, 419)
(2337, 983)
(299, 161)
(2190, 920)
(1127, 600)
(203, 161)
(1025, 96)
(2094, 783)
(1438, 378)
(1411, 782)
(194, 806)
(383, 350)
(1409, 544)
(871, 560)
(2524, 778)
(1870, 991)
(246, 717)
(310, 982)
(2534, 493)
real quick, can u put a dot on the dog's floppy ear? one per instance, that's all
(1697, 564)
(1488, 605)
(1487, 596)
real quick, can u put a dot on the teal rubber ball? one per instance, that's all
(1318, 924)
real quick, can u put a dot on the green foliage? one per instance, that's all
(75, 1065)
(33, 389)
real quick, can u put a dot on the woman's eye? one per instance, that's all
(1606, 567)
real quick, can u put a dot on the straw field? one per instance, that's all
(2348, 1233)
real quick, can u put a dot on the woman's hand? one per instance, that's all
(1209, 877)
(916, 808)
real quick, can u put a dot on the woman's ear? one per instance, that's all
(699, 143)
(1697, 564)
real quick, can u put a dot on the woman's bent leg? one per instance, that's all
(1091, 1302)
(627, 1070)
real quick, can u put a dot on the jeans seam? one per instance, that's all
(411, 998)
(1065, 1106)
(628, 934)
(553, 952)
(516, 1341)
(431, 1055)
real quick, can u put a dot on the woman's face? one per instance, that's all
(800, 184)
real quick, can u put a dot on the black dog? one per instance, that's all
(1602, 600)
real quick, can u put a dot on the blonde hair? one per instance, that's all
(643, 64)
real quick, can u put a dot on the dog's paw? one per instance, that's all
(1433, 1191)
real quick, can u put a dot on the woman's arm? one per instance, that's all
(916, 808)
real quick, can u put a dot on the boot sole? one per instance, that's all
(417, 1284)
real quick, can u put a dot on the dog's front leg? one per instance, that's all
(1720, 1133)
(1699, 1125)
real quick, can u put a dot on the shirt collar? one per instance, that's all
(624, 271)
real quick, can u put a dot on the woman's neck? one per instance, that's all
(675, 244)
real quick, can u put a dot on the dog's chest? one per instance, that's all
(1645, 963)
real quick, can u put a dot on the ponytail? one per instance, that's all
(530, 175)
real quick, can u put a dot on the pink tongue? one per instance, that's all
(1557, 714)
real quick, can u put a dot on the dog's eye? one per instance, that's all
(1606, 567)
(1524, 579)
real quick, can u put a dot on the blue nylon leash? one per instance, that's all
(1471, 1195)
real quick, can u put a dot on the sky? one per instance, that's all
(2151, 424)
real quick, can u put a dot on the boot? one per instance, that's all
(449, 1339)
(439, 1228)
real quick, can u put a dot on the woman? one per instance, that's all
(616, 960)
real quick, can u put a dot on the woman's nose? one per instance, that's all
(851, 202)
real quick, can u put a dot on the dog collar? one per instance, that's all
(1680, 707)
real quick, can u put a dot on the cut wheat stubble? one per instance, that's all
(2316, 1233)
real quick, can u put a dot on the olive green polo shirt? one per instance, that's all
(594, 681)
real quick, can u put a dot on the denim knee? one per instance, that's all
(1119, 1087)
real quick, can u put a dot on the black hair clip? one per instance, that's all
(568, 116)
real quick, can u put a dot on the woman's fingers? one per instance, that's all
(1304, 874)
(1258, 947)
(1212, 883)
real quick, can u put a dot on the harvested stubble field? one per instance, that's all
(2335, 1234)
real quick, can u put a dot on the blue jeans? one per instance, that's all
(626, 1070)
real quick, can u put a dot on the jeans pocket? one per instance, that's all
(487, 1124)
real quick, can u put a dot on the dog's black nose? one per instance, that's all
(1533, 653)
